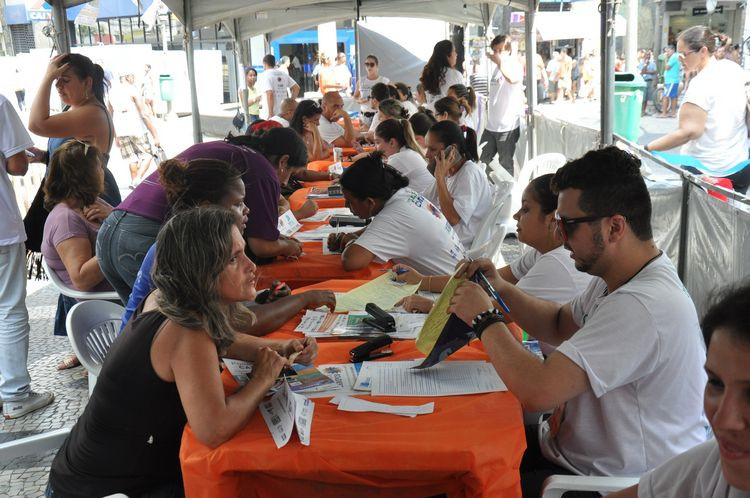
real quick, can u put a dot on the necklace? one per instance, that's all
(606, 290)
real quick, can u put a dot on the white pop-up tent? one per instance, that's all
(247, 18)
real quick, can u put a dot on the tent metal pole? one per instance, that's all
(60, 20)
(358, 59)
(240, 68)
(531, 89)
(607, 71)
(188, 9)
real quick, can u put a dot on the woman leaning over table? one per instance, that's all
(71, 194)
(461, 189)
(164, 370)
(545, 271)
(404, 223)
(395, 139)
(711, 121)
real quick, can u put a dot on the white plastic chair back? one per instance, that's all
(540, 165)
(556, 485)
(76, 294)
(491, 234)
(92, 328)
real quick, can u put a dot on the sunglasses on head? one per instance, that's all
(566, 226)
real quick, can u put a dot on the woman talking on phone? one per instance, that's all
(461, 189)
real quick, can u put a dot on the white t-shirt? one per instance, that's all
(719, 89)
(450, 78)
(407, 225)
(13, 139)
(126, 118)
(414, 167)
(283, 122)
(551, 276)
(642, 351)
(472, 199)
(694, 474)
(410, 107)
(505, 103)
(365, 88)
(329, 131)
(279, 83)
(375, 122)
(343, 76)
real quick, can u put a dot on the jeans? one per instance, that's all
(14, 324)
(122, 243)
(502, 143)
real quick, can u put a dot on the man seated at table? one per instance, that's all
(405, 228)
(627, 377)
(332, 132)
(288, 106)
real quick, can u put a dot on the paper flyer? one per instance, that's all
(285, 410)
(288, 224)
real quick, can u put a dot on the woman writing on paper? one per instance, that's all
(403, 224)
(164, 370)
(546, 270)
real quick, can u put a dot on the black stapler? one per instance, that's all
(379, 318)
(371, 350)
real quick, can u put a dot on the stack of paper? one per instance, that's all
(322, 232)
(285, 411)
(324, 324)
(450, 378)
(351, 404)
(383, 291)
(288, 224)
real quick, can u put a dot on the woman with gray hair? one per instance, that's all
(711, 120)
(164, 369)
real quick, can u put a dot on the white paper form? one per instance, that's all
(351, 404)
(285, 410)
(322, 232)
(323, 324)
(288, 224)
(336, 168)
(326, 250)
(449, 378)
(324, 214)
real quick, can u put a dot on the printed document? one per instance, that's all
(383, 291)
(288, 224)
(286, 410)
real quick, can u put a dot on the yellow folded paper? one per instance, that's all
(382, 291)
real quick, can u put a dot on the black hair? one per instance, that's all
(393, 92)
(399, 130)
(84, 68)
(269, 60)
(404, 89)
(273, 144)
(421, 122)
(449, 106)
(610, 182)
(370, 177)
(503, 40)
(251, 69)
(465, 96)
(379, 91)
(434, 71)
(189, 184)
(541, 187)
(464, 138)
(305, 109)
(370, 56)
(729, 310)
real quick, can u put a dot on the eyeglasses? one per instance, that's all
(370, 64)
(566, 226)
(684, 55)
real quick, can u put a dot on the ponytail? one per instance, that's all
(465, 96)
(84, 68)
(401, 131)
(370, 177)
(465, 139)
(449, 106)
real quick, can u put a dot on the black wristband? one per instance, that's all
(485, 319)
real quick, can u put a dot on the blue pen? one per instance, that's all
(397, 271)
(478, 274)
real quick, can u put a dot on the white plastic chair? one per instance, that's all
(76, 294)
(538, 166)
(554, 486)
(491, 234)
(92, 328)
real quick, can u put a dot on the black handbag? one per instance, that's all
(238, 121)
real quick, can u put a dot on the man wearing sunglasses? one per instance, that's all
(626, 379)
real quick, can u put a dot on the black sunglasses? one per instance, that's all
(566, 226)
(369, 64)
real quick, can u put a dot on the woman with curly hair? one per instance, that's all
(439, 73)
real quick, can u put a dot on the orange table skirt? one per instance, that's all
(323, 164)
(471, 446)
(313, 267)
(299, 197)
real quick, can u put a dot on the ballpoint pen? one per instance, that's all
(493, 293)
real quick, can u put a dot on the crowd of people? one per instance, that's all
(635, 382)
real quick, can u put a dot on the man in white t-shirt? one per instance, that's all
(505, 106)
(15, 383)
(288, 106)
(627, 378)
(276, 85)
(330, 131)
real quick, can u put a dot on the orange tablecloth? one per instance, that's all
(313, 267)
(471, 446)
(323, 164)
(298, 198)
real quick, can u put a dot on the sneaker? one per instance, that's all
(34, 401)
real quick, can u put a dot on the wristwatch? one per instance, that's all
(485, 319)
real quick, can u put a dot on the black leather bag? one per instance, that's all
(238, 121)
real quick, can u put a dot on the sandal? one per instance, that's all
(71, 361)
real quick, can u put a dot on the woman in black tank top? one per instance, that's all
(164, 368)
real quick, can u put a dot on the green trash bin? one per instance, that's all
(166, 87)
(628, 100)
